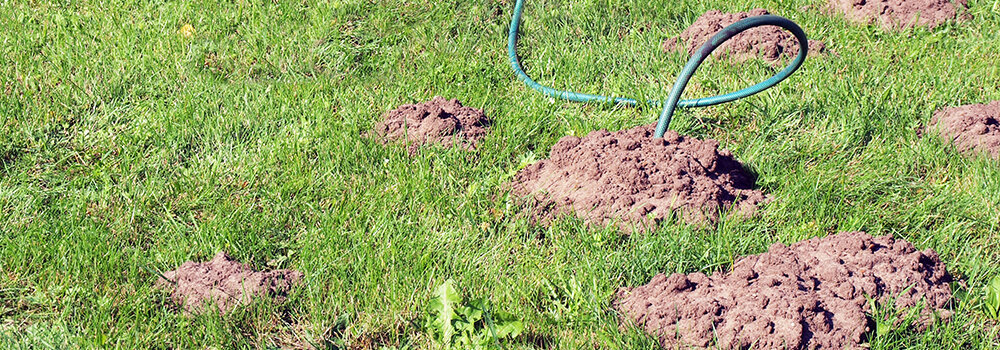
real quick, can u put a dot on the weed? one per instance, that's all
(565, 301)
(472, 325)
(991, 303)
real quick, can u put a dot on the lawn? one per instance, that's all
(129, 145)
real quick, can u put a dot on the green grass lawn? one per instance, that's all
(127, 147)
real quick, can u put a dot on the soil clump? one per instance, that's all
(767, 42)
(438, 121)
(224, 283)
(630, 178)
(897, 14)
(811, 295)
(971, 128)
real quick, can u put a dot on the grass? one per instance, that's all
(128, 147)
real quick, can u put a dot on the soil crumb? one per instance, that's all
(972, 128)
(439, 121)
(897, 14)
(631, 178)
(225, 283)
(768, 42)
(811, 295)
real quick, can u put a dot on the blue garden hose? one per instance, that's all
(674, 100)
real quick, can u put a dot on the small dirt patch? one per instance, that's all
(895, 14)
(631, 176)
(439, 121)
(768, 42)
(225, 283)
(811, 295)
(972, 128)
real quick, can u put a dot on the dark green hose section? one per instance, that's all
(673, 101)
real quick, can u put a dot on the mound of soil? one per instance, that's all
(894, 14)
(440, 121)
(972, 128)
(807, 296)
(767, 42)
(225, 283)
(631, 176)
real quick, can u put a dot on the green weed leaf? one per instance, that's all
(992, 302)
(511, 329)
(446, 297)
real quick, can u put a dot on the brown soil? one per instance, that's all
(894, 14)
(972, 128)
(225, 283)
(767, 42)
(807, 296)
(629, 175)
(440, 121)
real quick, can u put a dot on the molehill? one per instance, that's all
(971, 128)
(630, 175)
(896, 14)
(225, 283)
(767, 42)
(438, 121)
(811, 295)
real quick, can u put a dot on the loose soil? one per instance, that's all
(438, 121)
(811, 295)
(767, 42)
(896, 14)
(972, 128)
(629, 177)
(225, 283)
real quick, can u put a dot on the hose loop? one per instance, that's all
(673, 101)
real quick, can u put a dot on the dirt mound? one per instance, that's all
(767, 42)
(892, 14)
(441, 121)
(972, 128)
(631, 176)
(810, 295)
(225, 283)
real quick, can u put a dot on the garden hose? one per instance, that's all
(673, 101)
